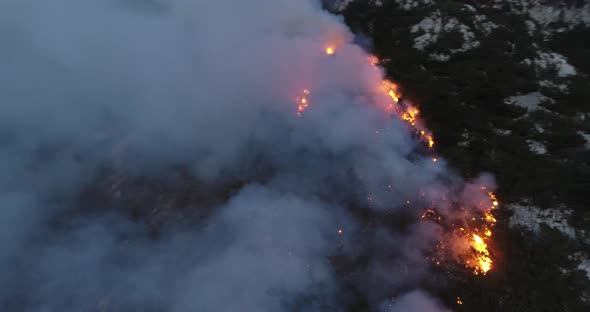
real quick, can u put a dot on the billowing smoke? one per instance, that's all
(152, 158)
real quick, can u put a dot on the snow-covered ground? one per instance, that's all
(586, 137)
(531, 218)
(584, 264)
(429, 30)
(431, 26)
(413, 4)
(553, 61)
(530, 101)
(537, 147)
(545, 12)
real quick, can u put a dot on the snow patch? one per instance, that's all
(432, 26)
(485, 26)
(530, 101)
(412, 4)
(586, 137)
(441, 57)
(341, 5)
(537, 147)
(469, 8)
(551, 60)
(551, 85)
(571, 16)
(585, 266)
(531, 27)
(469, 41)
(531, 218)
(503, 132)
(546, 13)
(465, 142)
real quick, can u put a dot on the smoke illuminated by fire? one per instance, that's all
(277, 149)
(467, 240)
(467, 243)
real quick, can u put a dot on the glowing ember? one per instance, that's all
(373, 60)
(430, 141)
(302, 102)
(330, 50)
(459, 300)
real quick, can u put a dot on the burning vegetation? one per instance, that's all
(467, 234)
(467, 230)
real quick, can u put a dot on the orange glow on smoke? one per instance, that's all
(373, 60)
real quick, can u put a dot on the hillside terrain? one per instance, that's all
(505, 87)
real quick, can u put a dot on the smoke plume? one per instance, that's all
(152, 158)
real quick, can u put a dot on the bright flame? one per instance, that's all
(410, 115)
(330, 50)
(404, 111)
(393, 96)
(430, 140)
(482, 260)
(391, 89)
(474, 235)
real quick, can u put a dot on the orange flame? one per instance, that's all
(482, 258)
(393, 96)
(477, 255)
(484, 263)
(410, 115)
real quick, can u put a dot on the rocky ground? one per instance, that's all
(505, 87)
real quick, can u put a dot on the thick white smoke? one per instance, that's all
(209, 86)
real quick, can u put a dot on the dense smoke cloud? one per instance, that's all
(140, 87)
(413, 301)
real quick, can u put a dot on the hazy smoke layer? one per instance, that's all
(138, 88)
